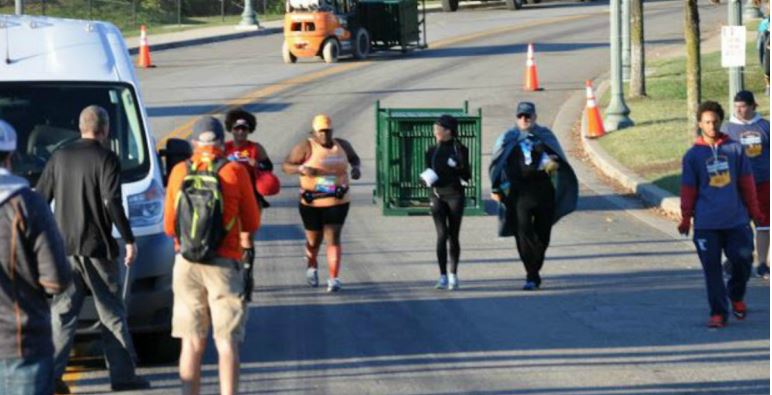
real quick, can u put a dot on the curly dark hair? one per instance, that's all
(239, 113)
(710, 106)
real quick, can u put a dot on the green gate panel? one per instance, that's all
(402, 138)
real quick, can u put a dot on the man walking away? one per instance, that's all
(748, 128)
(32, 264)
(212, 214)
(83, 178)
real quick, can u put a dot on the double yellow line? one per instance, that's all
(183, 131)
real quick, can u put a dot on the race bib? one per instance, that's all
(718, 172)
(751, 141)
(325, 184)
(239, 156)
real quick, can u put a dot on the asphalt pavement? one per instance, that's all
(623, 305)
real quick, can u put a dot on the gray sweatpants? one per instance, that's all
(102, 278)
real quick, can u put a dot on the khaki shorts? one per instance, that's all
(211, 290)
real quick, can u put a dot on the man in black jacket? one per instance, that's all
(83, 179)
(32, 265)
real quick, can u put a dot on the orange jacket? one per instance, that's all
(238, 201)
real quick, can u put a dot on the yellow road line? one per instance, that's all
(184, 130)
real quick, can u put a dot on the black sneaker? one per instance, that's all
(763, 271)
(530, 286)
(137, 384)
(61, 388)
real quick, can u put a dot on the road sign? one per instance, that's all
(732, 46)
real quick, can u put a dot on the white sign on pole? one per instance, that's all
(732, 46)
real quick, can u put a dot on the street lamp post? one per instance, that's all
(626, 40)
(19, 7)
(248, 17)
(617, 111)
(735, 73)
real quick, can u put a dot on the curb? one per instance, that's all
(133, 50)
(650, 194)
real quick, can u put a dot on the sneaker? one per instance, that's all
(442, 283)
(530, 286)
(739, 309)
(61, 388)
(312, 277)
(137, 384)
(453, 282)
(717, 321)
(333, 285)
(763, 271)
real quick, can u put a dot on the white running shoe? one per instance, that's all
(442, 283)
(333, 285)
(312, 277)
(452, 281)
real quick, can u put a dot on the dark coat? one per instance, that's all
(566, 183)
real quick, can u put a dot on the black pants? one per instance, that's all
(447, 212)
(531, 210)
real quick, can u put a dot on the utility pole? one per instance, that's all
(248, 17)
(735, 73)
(617, 111)
(19, 7)
(626, 40)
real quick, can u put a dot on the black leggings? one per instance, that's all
(447, 212)
(531, 211)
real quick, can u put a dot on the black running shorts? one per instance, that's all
(314, 218)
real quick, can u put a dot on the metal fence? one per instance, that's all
(130, 14)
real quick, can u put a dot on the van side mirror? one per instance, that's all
(176, 151)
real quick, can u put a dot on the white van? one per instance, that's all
(50, 69)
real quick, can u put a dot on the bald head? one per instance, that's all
(94, 123)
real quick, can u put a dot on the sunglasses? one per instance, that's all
(241, 127)
(526, 116)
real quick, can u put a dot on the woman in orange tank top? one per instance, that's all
(324, 165)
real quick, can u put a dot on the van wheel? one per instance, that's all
(449, 5)
(330, 51)
(157, 348)
(361, 44)
(514, 4)
(286, 55)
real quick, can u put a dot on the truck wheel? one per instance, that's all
(449, 5)
(330, 51)
(286, 55)
(157, 348)
(514, 4)
(361, 44)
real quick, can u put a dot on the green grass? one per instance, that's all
(654, 146)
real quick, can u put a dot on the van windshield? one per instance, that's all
(45, 116)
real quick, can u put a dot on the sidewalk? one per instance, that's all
(207, 35)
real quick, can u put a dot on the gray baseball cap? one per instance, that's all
(525, 107)
(7, 137)
(208, 130)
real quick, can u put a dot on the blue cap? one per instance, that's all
(526, 107)
(7, 137)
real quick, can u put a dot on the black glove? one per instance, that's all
(265, 165)
(247, 263)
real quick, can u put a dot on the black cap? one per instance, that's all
(208, 130)
(745, 97)
(526, 107)
(448, 122)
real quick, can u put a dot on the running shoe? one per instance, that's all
(312, 277)
(442, 283)
(333, 285)
(453, 282)
(763, 271)
(530, 286)
(739, 309)
(717, 321)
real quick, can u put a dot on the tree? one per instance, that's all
(637, 50)
(693, 64)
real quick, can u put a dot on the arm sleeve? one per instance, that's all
(54, 273)
(264, 163)
(45, 185)
(352, 156)
(688, 189)
(110, 189)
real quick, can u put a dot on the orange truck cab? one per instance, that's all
(324, 28)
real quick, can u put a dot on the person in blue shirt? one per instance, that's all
(748, 128)
(719, 193)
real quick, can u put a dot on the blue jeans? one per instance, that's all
(27, 376)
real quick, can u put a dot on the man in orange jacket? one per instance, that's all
(214, 286)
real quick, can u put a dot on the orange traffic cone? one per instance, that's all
(531, 77)
(593, 122)
(144, 50)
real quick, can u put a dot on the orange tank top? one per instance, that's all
(333, 167)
